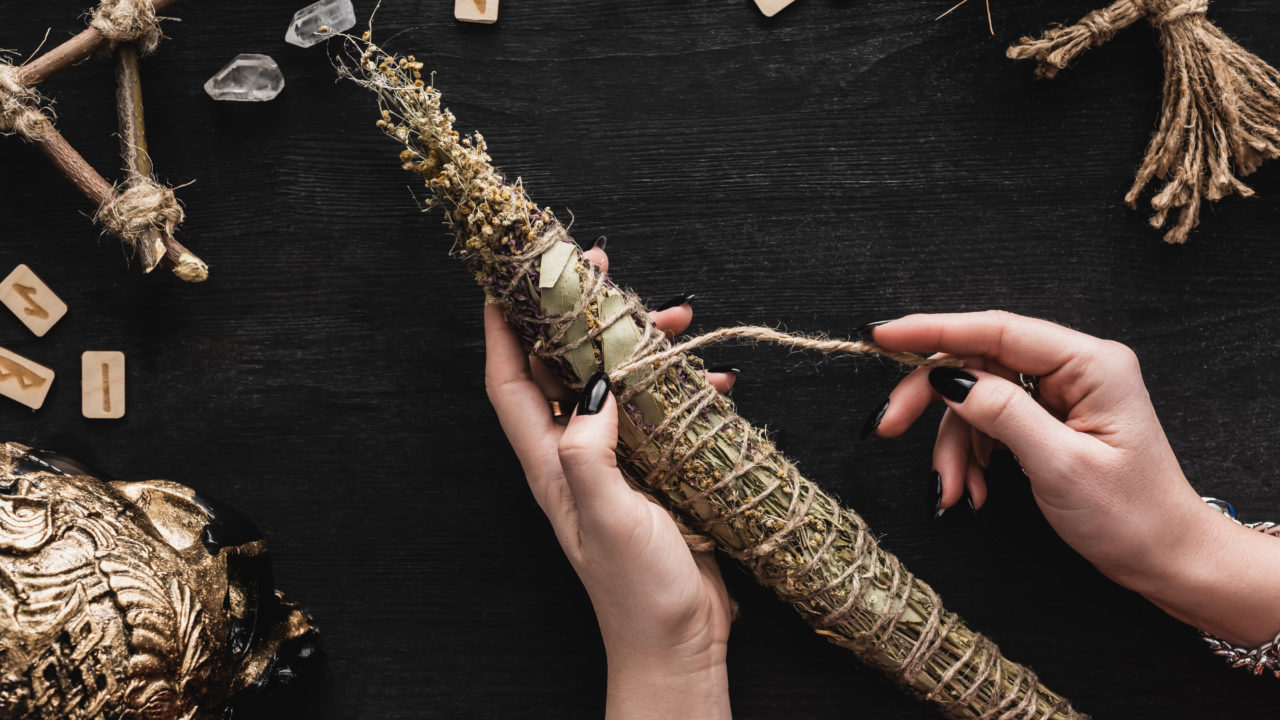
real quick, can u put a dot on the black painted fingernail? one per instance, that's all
(969, 500)
(865, 330)
(724, 369)
(677, 301)
(594, 394)
(937, 506)
(873, 420)
(600, 242)
(952, 383)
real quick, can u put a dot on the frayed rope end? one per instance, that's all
(1220, 118)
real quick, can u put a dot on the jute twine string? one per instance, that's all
(122, 21)
(20, 111)
(1220, 116)
(686, 431)
(139, 216)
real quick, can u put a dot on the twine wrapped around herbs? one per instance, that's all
(683, 443)
(1220, 118)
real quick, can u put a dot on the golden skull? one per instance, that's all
(131, 600)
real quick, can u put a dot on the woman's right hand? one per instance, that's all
(1100, 466)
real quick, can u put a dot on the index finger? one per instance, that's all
(1020, 343)
(522, 409)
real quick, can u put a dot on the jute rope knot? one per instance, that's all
(1100, 26)
(20, 107)
(1220, 118)
(1164, 12)
(139, 216)
(122, 21)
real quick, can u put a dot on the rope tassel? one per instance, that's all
(1220, 117)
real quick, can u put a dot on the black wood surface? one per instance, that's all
(842, 162)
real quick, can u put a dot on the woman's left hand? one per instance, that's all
(663, 610)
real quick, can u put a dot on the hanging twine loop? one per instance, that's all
(123, 21)
(20, 111)
(140, 216)
(1220, 118)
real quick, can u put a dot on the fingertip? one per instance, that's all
(598, 257)
(952, 489)
(673, 320)
(722, 381)
(976, 487)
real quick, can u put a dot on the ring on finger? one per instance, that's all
(1030, 383)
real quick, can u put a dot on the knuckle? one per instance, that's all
(999, 403)
(574, 449)
(1122, 356)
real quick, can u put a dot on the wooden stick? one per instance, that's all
(133, 126)
(79, 47)
(137, 160)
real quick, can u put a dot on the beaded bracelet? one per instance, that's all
(1256, 660)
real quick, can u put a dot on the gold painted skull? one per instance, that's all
(130, 600)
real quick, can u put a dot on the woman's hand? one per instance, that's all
(663, 611)
(1100, 466)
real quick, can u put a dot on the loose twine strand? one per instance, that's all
(140, 216)
(1220, 115)
(978, 673)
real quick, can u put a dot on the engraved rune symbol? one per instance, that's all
(34, 309)
(26, 379)
(106, 388)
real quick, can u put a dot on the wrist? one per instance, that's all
(1221, 578)
(1168, 547)
(669, 685)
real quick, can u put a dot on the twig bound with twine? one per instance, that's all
(122, 21)
(1220, 118)
(20, 111)
(139, 215)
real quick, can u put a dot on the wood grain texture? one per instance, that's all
(839, 163)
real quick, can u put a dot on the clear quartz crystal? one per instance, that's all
(334, 16)
(247, 78)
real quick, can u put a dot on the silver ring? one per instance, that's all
(1030, 383)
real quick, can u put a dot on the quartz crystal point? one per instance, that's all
(318, 21)
(247, 78)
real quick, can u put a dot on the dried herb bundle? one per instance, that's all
(682, 442)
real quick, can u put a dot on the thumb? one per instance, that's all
(1007, 413)
(587, 449)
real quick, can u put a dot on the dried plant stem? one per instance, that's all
(683, 443)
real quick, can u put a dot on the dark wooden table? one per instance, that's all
(842, 162)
